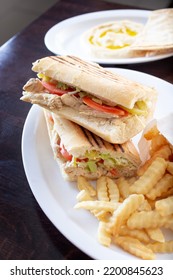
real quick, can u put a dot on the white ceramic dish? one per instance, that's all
(57, 197)
(65, 37)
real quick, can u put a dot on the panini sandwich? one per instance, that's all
(109, 105)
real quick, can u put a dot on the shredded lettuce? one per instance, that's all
(92, 154)
(110, 162)
(93, 159)
(92, 166)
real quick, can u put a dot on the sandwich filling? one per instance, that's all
(84, 102)
(113, 160)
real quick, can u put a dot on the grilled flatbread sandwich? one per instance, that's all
(79, 152)
(109, 105)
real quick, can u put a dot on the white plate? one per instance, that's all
(57, 197)
(65, 37)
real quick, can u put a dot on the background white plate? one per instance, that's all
(57, 197)
(64, 38)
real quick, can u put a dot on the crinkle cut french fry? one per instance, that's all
(101, 215)
(155, 234)
(83, 184)
(135, 247)
(131, 180)
(113, 191)
(151, 176)
(169, 223)
(103, 236)
(123, 187)
(136, 233)
(164, 152)
(128, 206)
(83, 195)
(98, 205)
(167, 194)
(158, 247)
(165, 183)
(101, 187)
(170, 167)
(157, 142)
(146, 219)
(165, 206)
(145, 206)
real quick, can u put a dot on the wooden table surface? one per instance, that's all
(25, 231)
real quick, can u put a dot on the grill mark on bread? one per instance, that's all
(90, 138)
(121, 148)
(86, 67)
(97, 142)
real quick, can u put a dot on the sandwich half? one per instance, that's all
(79, 152)
(109, 105)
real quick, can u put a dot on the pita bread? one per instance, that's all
(157, 34)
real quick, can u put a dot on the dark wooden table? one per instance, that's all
(25, 231)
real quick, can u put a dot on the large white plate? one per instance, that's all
(65, 37)
(57, 197)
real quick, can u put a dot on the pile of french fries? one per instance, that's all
(132, 213)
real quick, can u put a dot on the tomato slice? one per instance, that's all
(64, 153)
(114, 172)
(104, 108)
(83, 159)
(53, 89)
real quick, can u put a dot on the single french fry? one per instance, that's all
(83, 195)
(167, 193)
(165, 206)
(145, 206)
(164, 152)
(122, 213)
(136, 233)
(98, 205)
(103, 236)
(101, 187)
(101, 215)
(135, 247)
(146, 219)
(169, 223)
(131, 180)
(151, 133)
(157, 142)
(113, 191)
(165, 183)
(83, 184)
(155, 234)
(123, 187)
(170, 167)
(151, 176)
(158, 247)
